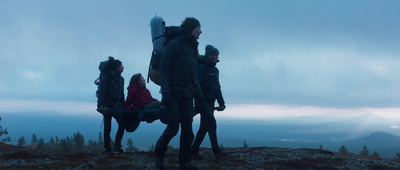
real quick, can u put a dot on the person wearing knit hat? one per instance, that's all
(210, 51)
(208, 77)
(179, 86)
(192, 25)
(110, 102)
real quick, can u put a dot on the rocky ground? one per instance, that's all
(13, 157)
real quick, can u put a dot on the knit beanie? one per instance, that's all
(113, 63)
(210, 50)
(190, 24)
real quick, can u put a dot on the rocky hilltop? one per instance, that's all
(13, 157)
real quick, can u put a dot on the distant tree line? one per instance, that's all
(364, 151)
(73, 144)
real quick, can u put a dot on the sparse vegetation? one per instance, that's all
(21, 141)
(364, 150)
(376, 154)
(41, 145)
(51, 140)
(397, 155)
(64, 146)
(78, 140)
(73, 144)
(343, 149)
(34, 139)
(100, 140)
(4, 132)
(245, 144)
(152, 147)
(131, 147)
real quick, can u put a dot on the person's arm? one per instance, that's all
(220, 99)
(123, 91)
(165, 65)
(129, 101)
(165, 68)
(201, 73)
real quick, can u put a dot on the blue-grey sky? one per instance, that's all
(335, 54)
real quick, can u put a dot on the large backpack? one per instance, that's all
(102, 67)
(160, 35)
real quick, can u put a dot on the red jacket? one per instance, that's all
(138, 96)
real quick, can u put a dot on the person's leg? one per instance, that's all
(119, 117)
(186, 139)
(153, 105)
(170, 131)
(107, 130)
(131, 120)
(201, 133)
(150, 112)
(212, 133)
(212, 128)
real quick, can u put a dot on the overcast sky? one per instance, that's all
(335, 54)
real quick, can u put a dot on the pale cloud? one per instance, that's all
(379, 69)
(58, 107)
(394, 127)
(33, 75)
(235, 111)
(390, 113)
(264, 111)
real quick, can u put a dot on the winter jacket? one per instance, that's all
(111, 90)
(208, 78)
(178, 67)
(138, 96)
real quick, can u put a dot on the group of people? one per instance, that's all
(185, 81)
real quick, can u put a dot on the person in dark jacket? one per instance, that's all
(139, 99)
(178, 87)
(111, 101)
(208, 77)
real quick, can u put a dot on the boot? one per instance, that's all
(220, 154)
(160, 162)
(118, 149)
(108, 153)
(189, 166)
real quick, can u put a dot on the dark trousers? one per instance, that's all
(207, 124)
(152, 112)
(180, 111)
(117, 113)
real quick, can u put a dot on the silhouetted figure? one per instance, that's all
(111, 101)
(178, 87)
(208, 77)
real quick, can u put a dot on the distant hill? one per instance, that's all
(387, 145)
(380, 139)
